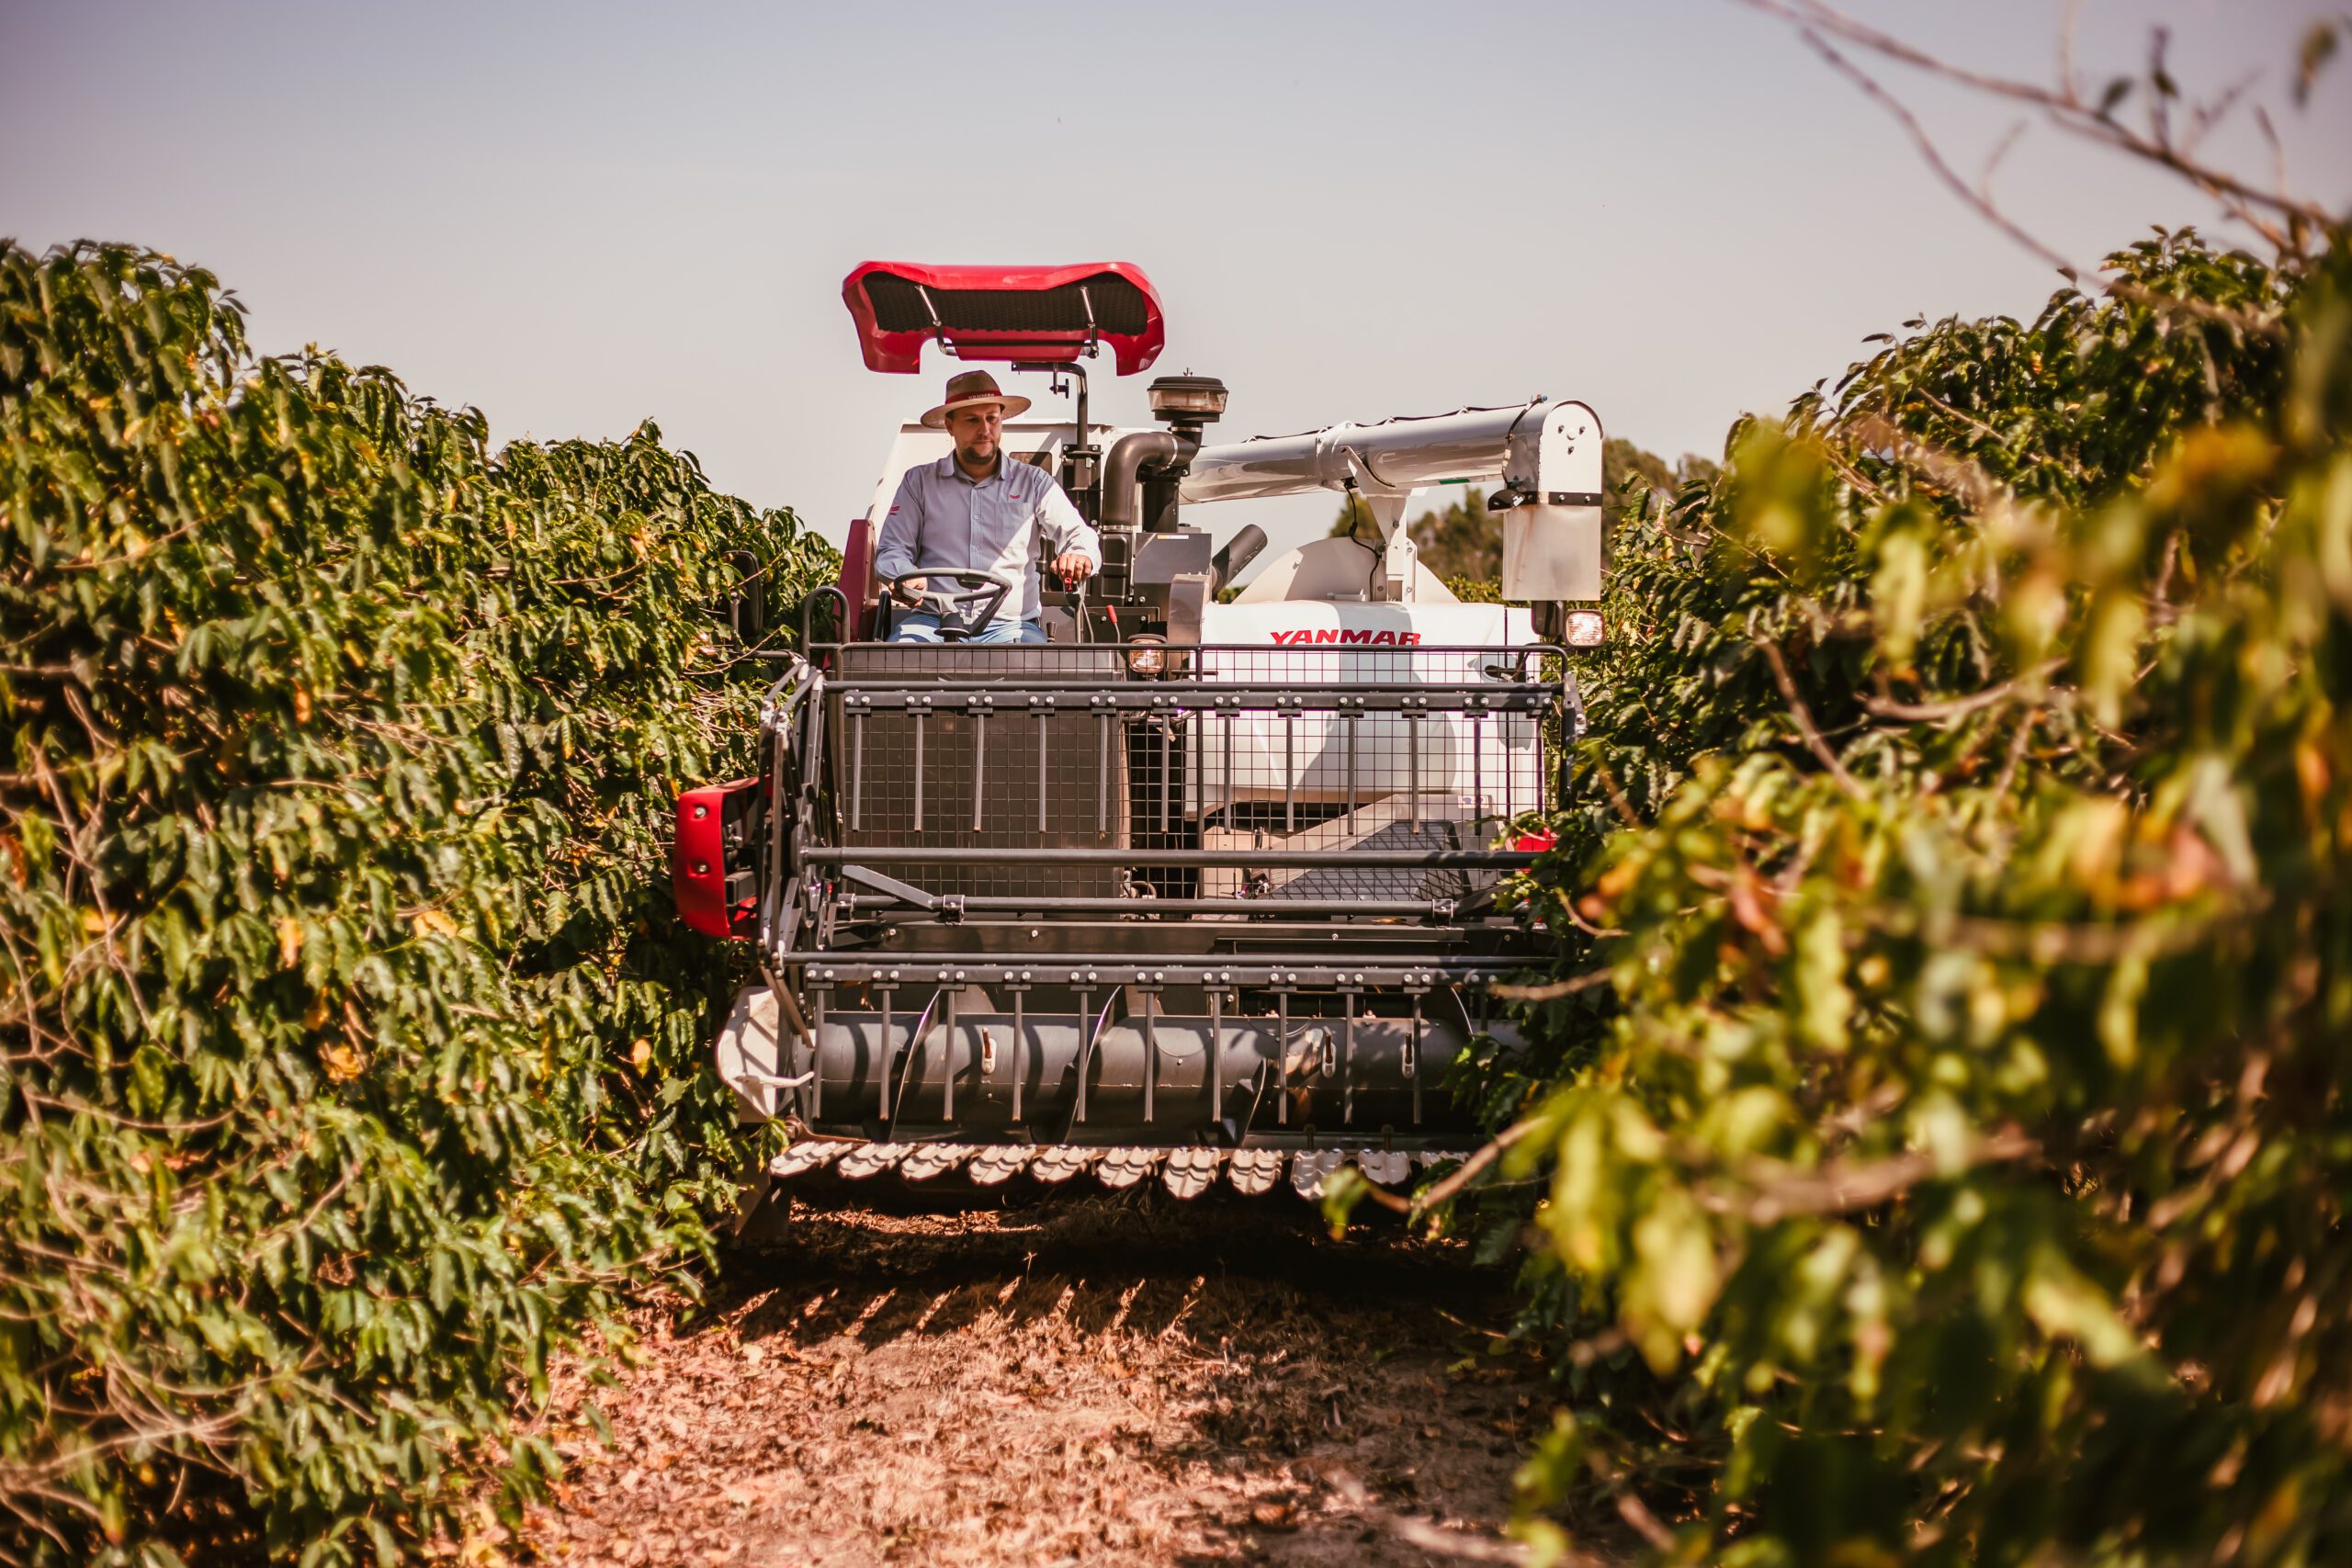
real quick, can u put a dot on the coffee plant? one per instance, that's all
(352, 1062)
(1942, 1121)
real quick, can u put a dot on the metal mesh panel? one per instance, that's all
(925, 755)
(1263, 754)
(1335, 769)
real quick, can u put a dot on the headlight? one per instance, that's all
(1148, 661)
(1584, 629)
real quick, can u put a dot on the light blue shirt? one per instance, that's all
(943, 517)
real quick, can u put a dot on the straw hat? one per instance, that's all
(968, 388)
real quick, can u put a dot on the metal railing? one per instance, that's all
(1050, 774)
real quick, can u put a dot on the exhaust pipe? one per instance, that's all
(1123, 470)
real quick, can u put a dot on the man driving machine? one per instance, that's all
(972, 515)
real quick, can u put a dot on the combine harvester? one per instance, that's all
(1197, 891)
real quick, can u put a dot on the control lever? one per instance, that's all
(1076, 589)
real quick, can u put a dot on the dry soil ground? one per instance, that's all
(1075, 1379)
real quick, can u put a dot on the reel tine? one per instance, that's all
(1191, 1172)
(1125, 1168)
(1309, 1170)
(927, 1160)
(1254, 1171)
(1061, 1162)
(803, 1157)
(999, 1163)
(871, 1159)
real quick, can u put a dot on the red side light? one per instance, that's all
(698, 861)
(1536, 843)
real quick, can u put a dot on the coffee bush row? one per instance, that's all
(352, 1061)
(1955, 1164)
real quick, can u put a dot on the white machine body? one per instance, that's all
(1540, 459)
(1484, 768)
(1543, 456)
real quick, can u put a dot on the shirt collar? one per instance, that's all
(949, 469)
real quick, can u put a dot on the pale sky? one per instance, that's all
(577, 216)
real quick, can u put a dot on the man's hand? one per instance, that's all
(909, 590)
(1073, 568)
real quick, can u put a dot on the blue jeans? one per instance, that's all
(919, 627)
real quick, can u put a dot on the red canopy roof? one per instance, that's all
(1051, 313)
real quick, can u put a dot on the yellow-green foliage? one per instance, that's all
(1956, 1168)
(350, 1061)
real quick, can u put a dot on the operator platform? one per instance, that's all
(971, 512)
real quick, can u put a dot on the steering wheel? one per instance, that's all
(963, 611)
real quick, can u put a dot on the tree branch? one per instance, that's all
(1841, 1187)
(1552, 990)
(2065, 106)
(1952, 707)
(2237, 199)
(1804, 715)
(1445, 1190)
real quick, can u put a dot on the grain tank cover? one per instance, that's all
(1053, 314)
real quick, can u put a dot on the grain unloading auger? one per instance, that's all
(1196, 890)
